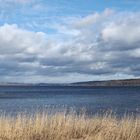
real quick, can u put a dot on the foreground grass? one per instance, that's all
(68, 127)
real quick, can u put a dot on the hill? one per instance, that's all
(125, 82)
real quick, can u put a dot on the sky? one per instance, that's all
(65, 41)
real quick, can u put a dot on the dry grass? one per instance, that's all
(68, 127)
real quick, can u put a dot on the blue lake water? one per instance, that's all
(93, 99)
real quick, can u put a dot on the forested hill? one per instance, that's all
(126, 82)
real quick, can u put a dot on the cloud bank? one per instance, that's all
(101, 45)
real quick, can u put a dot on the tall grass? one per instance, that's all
(61, 126)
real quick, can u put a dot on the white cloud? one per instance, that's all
(103, 48)
(125, 32)
(93, 18)
(14, 40)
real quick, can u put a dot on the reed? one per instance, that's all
(62, 126)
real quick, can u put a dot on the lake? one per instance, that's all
(29, 99)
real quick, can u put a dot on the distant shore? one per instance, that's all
(105, 83)
(61, 126)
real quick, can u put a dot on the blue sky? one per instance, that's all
(24, 12)
(69, 41)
